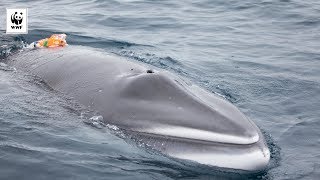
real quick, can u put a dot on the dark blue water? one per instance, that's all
(262, 55)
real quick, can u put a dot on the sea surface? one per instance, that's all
(261, 55)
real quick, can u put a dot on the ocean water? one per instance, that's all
(261, 55)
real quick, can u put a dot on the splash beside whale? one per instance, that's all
(176, 117)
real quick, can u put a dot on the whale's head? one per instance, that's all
(164, 106)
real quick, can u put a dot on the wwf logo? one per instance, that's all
(17, 18)
(17, 21)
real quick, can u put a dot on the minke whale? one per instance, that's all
(165, 111)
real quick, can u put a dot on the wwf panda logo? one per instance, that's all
(17, 18)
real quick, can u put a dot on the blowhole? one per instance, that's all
(149, 71)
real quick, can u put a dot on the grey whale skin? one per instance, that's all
(167, 112)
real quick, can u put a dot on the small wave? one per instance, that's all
(226, 93)
(309, 22)
(10, 45)
(275, 150)
(15, 148)
(100, 42)
(5, 67)
(166, 62)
